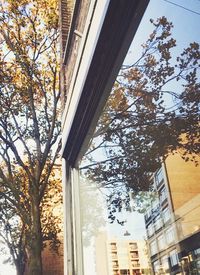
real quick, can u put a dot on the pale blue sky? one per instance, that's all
(186, 23)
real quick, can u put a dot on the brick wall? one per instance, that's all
(65, 14)
(73, 42)
(53, 263)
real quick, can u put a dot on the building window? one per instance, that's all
(113, 246)
(148, 213)
(156, 266)
(169, 235)
(134, 255)
(165, 263)
(114, 255)
(158, 223)
(156, 202)
(115, 264)
(133, 246)
(159, 177)
(163, 194)
(155, 209)
(135, 263)
(173, 257)
(153, 248)
(166, 215)
(150, 230)
(197, 252)
(161, 242)
(124, 272)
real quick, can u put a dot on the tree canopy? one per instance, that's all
(29, 117)
(152, 111)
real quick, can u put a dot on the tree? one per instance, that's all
(29, 113)
(14, 230)
(153, 111)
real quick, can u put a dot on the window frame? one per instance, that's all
(155, 247)
(170, 232)
(166, 215)
(86, 98)
(161, 240)
(173, 256)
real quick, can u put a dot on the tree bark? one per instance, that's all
(20, 269)
(35, 248)
(20, 265)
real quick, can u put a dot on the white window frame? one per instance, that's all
(166, 215)
(170, 235)
(153, 247)
(73, 255)
(150, 230)
(173, 257)
(163, 194)
(161, 242)
(164, 262)
(158, 174)
(158, 223)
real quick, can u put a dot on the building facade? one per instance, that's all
(121, 256)
(172, 223)
(53, 262)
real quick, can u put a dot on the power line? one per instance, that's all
(195, 12)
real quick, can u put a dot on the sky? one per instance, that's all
(6, 269)
(186, 23)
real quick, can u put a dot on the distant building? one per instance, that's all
(172, 222)
(120, 256)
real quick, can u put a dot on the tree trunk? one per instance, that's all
(20, 266)
(20, 270)
(35, 244)
(35, 260)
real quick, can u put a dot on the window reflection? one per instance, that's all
(161, 242)
(155, 199)
(166, 214)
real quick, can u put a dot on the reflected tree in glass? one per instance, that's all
(152, 111)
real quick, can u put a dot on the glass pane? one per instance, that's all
(139, 180)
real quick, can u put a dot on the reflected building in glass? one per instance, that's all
(172, 223)
(120, 256)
